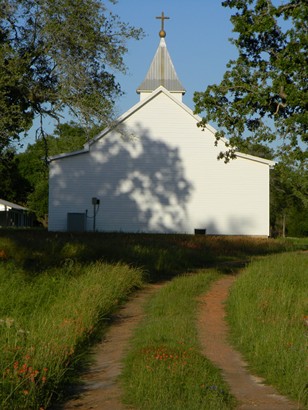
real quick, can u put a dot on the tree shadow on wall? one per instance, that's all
(141, 184)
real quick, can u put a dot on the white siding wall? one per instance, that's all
(161, 175)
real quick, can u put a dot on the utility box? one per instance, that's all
(76, 222)
(200, 231)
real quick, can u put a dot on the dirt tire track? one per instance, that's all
(249, 390)
(100, 389)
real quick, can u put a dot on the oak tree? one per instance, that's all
(263, 95)
(58, 54)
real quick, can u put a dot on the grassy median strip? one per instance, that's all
(268, 314)
(47, 319)
(164, 368)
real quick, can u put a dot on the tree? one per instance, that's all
(14, 186)
(289, 199)
(55, 55)
(263, 95)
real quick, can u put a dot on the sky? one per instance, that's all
(197, 38)
(197, 41)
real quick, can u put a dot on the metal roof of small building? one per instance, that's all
(161, 72)
(12, 205)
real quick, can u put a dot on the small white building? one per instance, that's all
(14, 215)
(155, 171)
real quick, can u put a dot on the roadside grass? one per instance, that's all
(46, 321)
(59, 289)
(164, 368)
(268, 315)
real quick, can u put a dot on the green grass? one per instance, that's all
(57, 289)
(162, 256)
(300, 243)
(165, 369)
(268, 312)
(45, 322)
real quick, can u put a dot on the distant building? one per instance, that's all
(156, 171)
(13, 215)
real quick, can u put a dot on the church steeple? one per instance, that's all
(161, 71)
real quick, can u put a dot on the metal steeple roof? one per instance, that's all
(161, 71)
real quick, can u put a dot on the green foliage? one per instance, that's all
(289, 199)
(165, 369)
(263, 94)
(70, 137)
(297, 223)
(267, 311)
(55, 55)
(14, 186)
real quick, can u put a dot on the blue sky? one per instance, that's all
(197, 41)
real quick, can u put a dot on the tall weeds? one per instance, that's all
(46, 319)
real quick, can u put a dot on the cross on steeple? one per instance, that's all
(162, 32)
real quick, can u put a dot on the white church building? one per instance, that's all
(155, 171)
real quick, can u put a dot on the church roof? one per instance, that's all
(161, 72)
(138, 107)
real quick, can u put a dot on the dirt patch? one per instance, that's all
(100, 389)
(250, 391)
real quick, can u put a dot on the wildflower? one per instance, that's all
(23, 368)
(33, 375)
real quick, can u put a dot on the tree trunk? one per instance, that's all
(284, 225)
